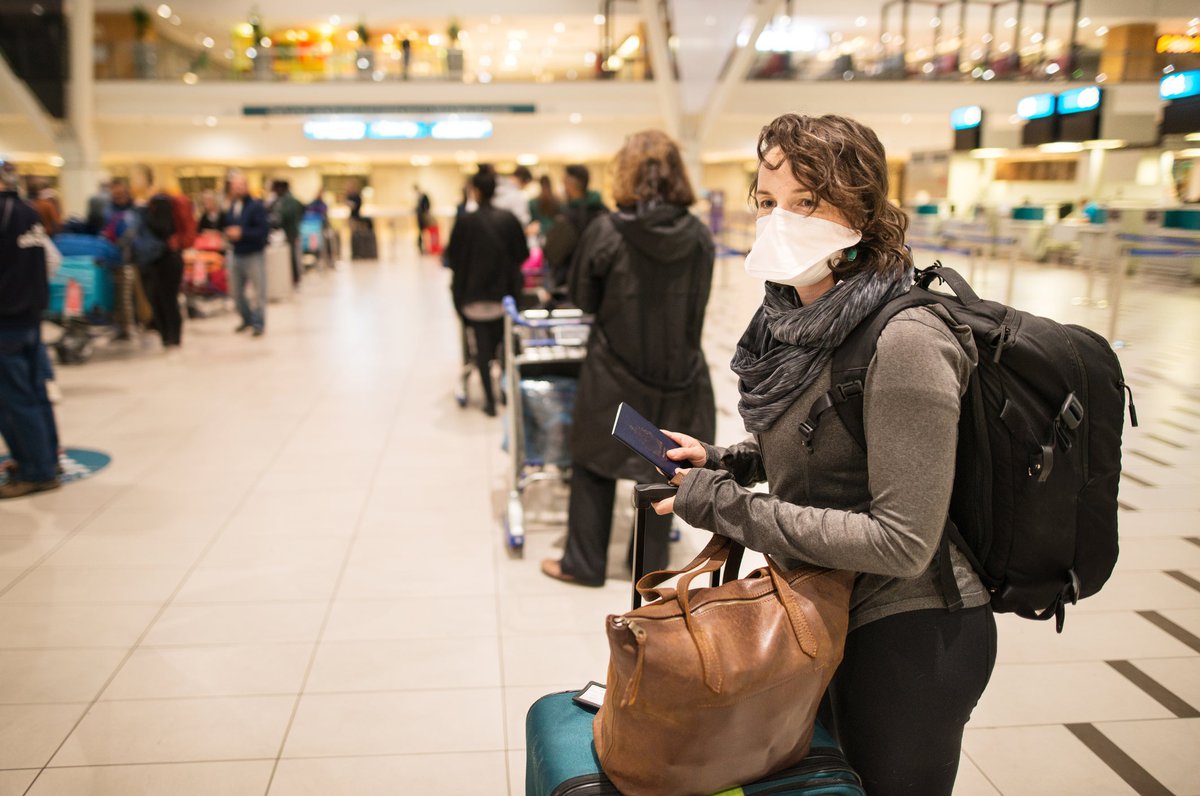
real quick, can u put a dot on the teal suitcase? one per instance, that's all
(560, 758)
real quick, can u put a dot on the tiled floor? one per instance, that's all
(292, 581)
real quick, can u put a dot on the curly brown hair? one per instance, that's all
(650, 169)
(843, 163)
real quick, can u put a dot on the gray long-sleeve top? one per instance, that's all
(880, 513)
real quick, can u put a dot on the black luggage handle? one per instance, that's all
(643, 496)
(951, 278)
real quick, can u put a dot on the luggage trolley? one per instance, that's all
(544, 351)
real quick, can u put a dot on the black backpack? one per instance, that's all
(1034, 506)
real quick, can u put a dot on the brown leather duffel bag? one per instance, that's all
(719, 686)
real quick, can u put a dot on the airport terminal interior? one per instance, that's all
(299, 558)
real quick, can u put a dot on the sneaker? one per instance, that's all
(16, 489)
(242, 328)
(53, 391)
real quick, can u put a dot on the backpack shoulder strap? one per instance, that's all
(849, 369)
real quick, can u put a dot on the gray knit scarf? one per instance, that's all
(787, 344)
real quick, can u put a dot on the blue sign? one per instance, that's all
(966, 118)
(1078, 100)
(1180, 85)
(396, 129)
(1036, 106)
(74, 464)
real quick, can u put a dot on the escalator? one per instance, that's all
(33, 39)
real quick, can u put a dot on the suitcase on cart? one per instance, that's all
(560, 757)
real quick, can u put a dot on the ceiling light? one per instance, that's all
(598, 19)
(575, 118)
(251, 53)
(988, 153)
(484, 77)
(210, 121)
(936, 22)
(335, 20)
(1011, 22)
(527, 159)
(1061, 146)
(1083, 23)
(208, 42)
(1188, 153)
(559, 27)
(164, 11)
(352, 35)
(861, 22)
(1102, 30)
(297, 162)
(1036, 38)
(436, 40)
(1104, 143)
(1052, 69)
(1192, 137)
(420, 160)
(57, 162)
(190, 78)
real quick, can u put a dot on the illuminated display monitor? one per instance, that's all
(1036, 106)
(968, 127)
(1079, 114)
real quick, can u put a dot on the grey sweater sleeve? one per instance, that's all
(914, 385)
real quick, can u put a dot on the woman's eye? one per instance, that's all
(808, 204)
(766, 204)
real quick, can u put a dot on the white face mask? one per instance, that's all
(797, 250)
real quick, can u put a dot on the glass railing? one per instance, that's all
(159, 60)
(1087, 65)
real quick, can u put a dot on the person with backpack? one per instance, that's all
(162, 229)
(830, 247)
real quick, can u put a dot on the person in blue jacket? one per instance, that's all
(247, 227)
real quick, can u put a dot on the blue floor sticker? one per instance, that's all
(74, 464)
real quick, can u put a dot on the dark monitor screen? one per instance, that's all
(1083, 126)
(1040, 131)
(966, 140)
(1181, 117)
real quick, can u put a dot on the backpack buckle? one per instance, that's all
(849, 389)
(807, 432)
(1071, 414)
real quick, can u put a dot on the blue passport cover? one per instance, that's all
(644, 439)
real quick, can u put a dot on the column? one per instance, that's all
(80, 145)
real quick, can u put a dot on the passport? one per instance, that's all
(643, 438)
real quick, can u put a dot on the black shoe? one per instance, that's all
(490, 410)
(258, 331)
(242, 328)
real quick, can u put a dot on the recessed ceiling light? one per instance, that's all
(598, 19)
(164, 11)
(559, 27)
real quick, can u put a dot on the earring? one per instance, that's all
(851, 254)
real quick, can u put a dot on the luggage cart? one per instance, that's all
(547, 348)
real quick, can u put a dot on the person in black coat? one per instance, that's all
(485, 253)
(645, 272)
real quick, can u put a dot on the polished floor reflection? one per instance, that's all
(292, 579)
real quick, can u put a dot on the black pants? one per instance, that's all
(294, 250)
(488, 336)
(589, 528)
(903, 693)
(163, 278)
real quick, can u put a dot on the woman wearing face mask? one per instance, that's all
(831, 250)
